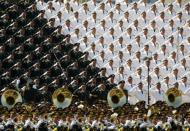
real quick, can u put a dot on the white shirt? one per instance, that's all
(101, 30)
(92, 6)
(120, 77)
(161, 39)
(93, 22)
(165, 71)
(119, 62)
(91, 37)
(136, 95)
(146, 53)
(165, 86)
(156, 95)
(178, 22)
(67, 30)
(128, 38)
(179, 38)
(137, 79)
(143, 6)
(143, 22)
(76, 6)
(41, 5)
(145, 39)
(170, 30)
(183, 87)
(129, 70)
(153, 47)
(172, 62)
(84, 30)
(137, 63)
(163, 55)
(110, 22)
(160, 22)
(128, 55)
(170, 47)
(75, 22)
(66, 14)
(93, 54)
(118, 29)
(110, 38)
(154, 63)
(151, 14)
(49, 14)
(160, 6)
(119, 46)
(101, 62)
(84, 14)
(134, 14)
(58, 6)
(137, 46)
(185, 14)
(100, 46)
(126, 23)
(153, 31)
(110, 55)
(59, 21)
(124, 6)
(173, 79)
(169, 14)
(109, 6)
(75, 38)
(182, 69)
(136, 30)
(155, 78)
(110, 70)
(101, 14)
(177, 6)
(84, 46)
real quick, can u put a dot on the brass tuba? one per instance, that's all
(173, 97)
(10, 97)
(62, 98)
(116, 98)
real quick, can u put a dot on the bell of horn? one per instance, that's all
(173, 97)
(10, 97)
(62, 98)
(116, 98)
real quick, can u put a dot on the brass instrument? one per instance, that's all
(116, 98)
(62, 98)
(173, 97)
(10, 97)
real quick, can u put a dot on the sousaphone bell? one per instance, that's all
(116, 98)
(62, 98)
(10, 97)
(173, 97)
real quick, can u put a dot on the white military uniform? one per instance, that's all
(120, 77)
(49, 14)
(156, 95)
(59, 21)
(58, 5)
(66, 14)
(110, 70)
(136, 95)
(75, 5)
(41, 5)
(101, 62)
(183, 86)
